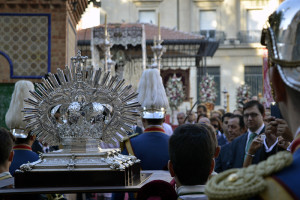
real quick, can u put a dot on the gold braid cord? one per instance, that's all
(246, 182)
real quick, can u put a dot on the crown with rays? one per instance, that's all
(81, 102)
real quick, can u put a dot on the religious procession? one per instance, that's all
(149, 100)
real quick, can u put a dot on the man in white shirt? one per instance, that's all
(168, 129)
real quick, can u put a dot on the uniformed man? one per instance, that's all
(151, 147)
(279, 176)
(14, 121)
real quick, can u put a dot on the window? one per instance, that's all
(147, 16)
(254, 78)
(255, 20)
(215, 71)
(208, 23)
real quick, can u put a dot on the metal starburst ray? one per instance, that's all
(81, 102)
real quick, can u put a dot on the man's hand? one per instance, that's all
(255, 145)
(271, 130)
(283, 130)
(283, 143)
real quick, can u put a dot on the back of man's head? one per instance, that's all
(24, 140)
(190, 150)
(6, 145)
(154, 121)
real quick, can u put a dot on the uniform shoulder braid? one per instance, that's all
(126, 141)
(247, 182)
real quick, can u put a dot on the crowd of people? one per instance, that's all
(207, 149)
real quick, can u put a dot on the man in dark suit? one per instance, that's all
(280, 178)
(233, 154)
(236, 127)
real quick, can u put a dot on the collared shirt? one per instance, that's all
(191, 192)
(267, 149)
(5, 175)
(168, 129)
(219, 134)
(256, 132)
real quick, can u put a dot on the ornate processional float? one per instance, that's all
(78, 107)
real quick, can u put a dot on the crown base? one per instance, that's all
(80, 145)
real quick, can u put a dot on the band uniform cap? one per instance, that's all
(152, 95)
(153, 113)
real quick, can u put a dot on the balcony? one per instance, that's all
(252, 36)
(213, 35)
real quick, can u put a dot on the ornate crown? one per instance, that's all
(81, 102)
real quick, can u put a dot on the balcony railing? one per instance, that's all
(213, 34)
(252, 36)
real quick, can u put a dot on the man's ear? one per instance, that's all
(11, 156)
(217, 152)
(170, 167)
(144, 121)
(277, 85)
(32, 137)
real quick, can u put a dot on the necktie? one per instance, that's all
(251, 138)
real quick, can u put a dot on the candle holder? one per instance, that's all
(105, 46)
(225, 98)
(158, 51)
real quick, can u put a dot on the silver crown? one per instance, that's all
(81, 102)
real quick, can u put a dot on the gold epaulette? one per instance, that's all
(122, 144)
(247, 182)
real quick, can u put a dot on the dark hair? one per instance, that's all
(222, 111)
(229, 114)
(157, 188)
(155, 121)
(23, 140)
(241, 120)
(6, 145)
(216, 119)
(202, 106)
(190, 150)
(252, 103)
(212, 133)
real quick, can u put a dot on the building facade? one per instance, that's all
(236, 24)
(36, 37)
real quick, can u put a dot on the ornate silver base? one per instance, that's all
(79, 169)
